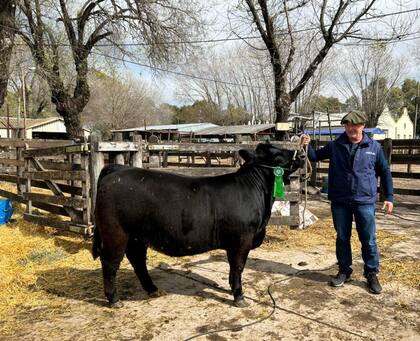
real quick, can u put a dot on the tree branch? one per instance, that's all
(68, 25)
(257, 21)
(292, 43)
(355, 21)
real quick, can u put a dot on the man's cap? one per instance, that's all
(355, 117)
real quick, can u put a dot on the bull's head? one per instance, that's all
(269, 155)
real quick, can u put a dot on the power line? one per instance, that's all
(395, 41)
(202, 41)
(379, 16)
(233, 83)
(372, 17)
(176, 72)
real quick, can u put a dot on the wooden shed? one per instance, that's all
(40, 128)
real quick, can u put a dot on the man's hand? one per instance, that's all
(306, 139)
(388, 206)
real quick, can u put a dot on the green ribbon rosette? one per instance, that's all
(278, 191)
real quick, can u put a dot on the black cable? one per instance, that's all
(177, 72)
(200, 41)
(398, 216)
(396, 40)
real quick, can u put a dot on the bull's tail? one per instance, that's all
(97, 241)
(97, 244)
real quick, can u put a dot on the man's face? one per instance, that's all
(354, 131)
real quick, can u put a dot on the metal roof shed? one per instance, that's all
(237, 132)
(165, 131)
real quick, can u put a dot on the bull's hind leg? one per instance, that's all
(136, 253)
(111, 256)
(237, 259)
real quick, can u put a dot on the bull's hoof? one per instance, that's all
(157, 293)
(116, 305)
(240, 302)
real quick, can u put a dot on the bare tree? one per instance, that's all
(119, 102)
(22, 73)
(50, 27)
(7, 34)
(276, 22)
(367, 74)
(234, 77)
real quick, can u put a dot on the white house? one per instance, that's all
(396, 126)
(392, 125)
(40, 128)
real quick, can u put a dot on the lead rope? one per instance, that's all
(305, 148)
(307, 165)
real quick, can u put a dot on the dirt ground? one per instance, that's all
(285, 283)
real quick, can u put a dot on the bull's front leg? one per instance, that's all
(237, 258)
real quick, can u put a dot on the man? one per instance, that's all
(356, 161)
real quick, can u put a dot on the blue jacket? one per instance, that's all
(358, 182)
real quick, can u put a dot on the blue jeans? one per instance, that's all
(364, 216)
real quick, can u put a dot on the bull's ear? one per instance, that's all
(247, 155)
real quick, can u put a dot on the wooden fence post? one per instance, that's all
(19, 170)
(137, 158)
(388, 150)
(314, 174)
(86, 184)
(164, 159)
(119, 157)
(387, 147)
(28, 185)
(96, 164)
(410, 153)
(294, 205)
(208, 159)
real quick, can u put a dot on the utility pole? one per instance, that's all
(416, 113)
(24, 105)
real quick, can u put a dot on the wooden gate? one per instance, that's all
(65, 171)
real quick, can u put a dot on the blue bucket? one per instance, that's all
(6, 210)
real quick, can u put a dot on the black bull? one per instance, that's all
(181, 215)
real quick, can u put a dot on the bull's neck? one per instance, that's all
(258, 177)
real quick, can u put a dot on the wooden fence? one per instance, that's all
(397, 152)
(59, 177)
(49, 175)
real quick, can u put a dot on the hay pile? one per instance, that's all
(39, 268)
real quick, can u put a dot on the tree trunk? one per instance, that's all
(72, 122)
(7, 34)
(282, 102)
(69, 109)
(372, 117)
